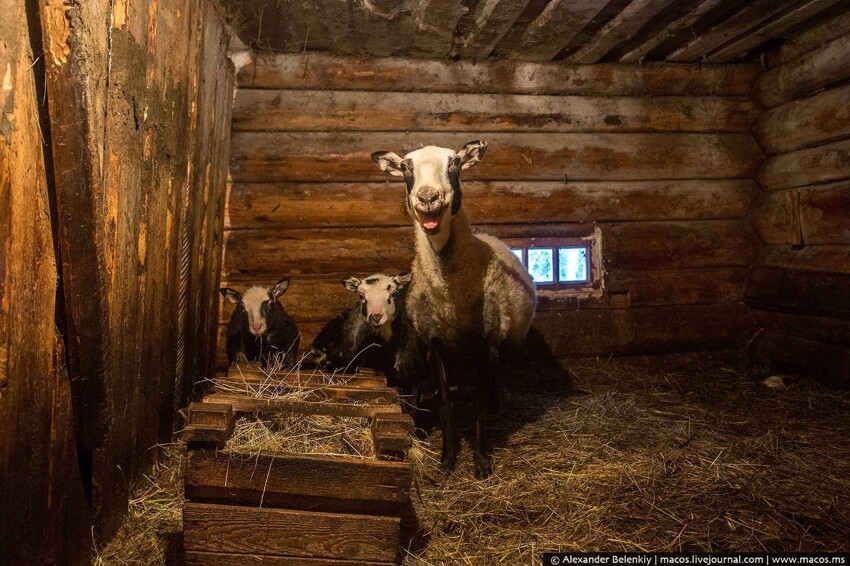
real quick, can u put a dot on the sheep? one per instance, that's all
(470, 298)
(260, 327)
(378, 319)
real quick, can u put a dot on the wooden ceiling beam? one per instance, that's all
(436, 21)
(770, 30)
(554, 28)
(492, 20)
(623, 26)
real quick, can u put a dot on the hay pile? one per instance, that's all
(154, 520)
(637, 458)
(303, 434)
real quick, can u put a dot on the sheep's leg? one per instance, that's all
(450, 440)
(484, 401)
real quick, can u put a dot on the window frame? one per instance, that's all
(555, 243)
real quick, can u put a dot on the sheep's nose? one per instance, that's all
(375, 319)
(429, 199)
(257, 327)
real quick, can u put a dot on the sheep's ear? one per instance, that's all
(401, 280)
(389, 162)
(471, 153)
(351, 283)
(231, 295)
(280, 287)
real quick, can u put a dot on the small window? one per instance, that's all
(541, 265)
(572, 265)
(559, 263)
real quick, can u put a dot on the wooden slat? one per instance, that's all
(809, 38)
(310, 111)
(334, 484)
(436, 21)
(620, 28)
(225, 528)
(491, 21)
(338, 205)
(644, 246)
(824, 362)
(776, 217)
(245, 404)
(304, 376)
(803, 123)
(315, 391)
(199, 558)
(684, 22)
(814, 70)
(818, 328)
(829, 162)
(824, 259)
(803, 292)
(750, 16)
(209, 423)
(521, 156)
(548, 34)
(825, 214)
(317, 71)
(771, 29)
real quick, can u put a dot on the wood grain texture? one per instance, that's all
(521, 156)
(200, 558)
(808, 38)
(824, 214)
(340, 205)
(823, 259)
(819, 68)
(245, 404)
(821, 164)
(818, 328)
(823, 361)
(318, 71)
(803, 292)
(819, 119)
(226, 528)
(776, 217)
(333, 484)
(310, 111)
(491, 21)
(551, 31)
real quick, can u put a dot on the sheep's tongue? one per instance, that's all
(430, 220)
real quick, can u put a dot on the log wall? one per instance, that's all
(139, 95)
(800, 282)
(659, 157)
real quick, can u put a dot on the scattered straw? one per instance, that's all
(154, 519)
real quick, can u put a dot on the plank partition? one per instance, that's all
(659, 157)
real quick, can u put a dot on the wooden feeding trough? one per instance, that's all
(286, 507)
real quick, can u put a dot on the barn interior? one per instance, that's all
(693, 155)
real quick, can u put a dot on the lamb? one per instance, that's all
(470, 297)
(260, 327)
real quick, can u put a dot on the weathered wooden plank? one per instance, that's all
(317, 71)
(339, 205)
(818, 328)
(317, 391)
(491, 21)
(824, 259)
(511, 156)
(226, 528)
(682, 23)
(246, 404)
(210, 423)
(436, 21)
(310, 111)
(776, 217)
(821, 67)
(396, 423)
(803, 123)
(829, 162)
(548, 34)
(803, 292)
(334, 484)
(809, 38)
(822, 361)
(750, 16)
(199, 558)
(304, 376)
(620, 28)
(771, 29)
(644, 246)
(825, 214)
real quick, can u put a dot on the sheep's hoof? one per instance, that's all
(448, 464)
(483, 468)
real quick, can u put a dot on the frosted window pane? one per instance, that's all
(540, 265)
(517, 252)
(572, 265)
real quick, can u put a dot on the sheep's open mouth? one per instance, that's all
(430, 221)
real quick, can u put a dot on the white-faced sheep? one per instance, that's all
(469, 297)
(260, 327)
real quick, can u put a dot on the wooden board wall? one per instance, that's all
(45, 514)
(659, 157)
(139, 95)
(800, 283)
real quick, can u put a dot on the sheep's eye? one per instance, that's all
(362, 296)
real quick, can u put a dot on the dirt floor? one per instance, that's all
(636, 456)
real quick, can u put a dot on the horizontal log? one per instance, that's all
(333, 484)
(302, 376)
(246, 404)
(226, 528)
(825, 362)
(311, 111)
(776, 217)
(814, 70)
(315, 391)
(804, 292)
(818, 328)
(278, 157)
(317, 71)
(822, 164)
(199, 558)
(809, 38)
(823, 259)
(331, 205)
(806, 122)
(825, 214)
(643, 246)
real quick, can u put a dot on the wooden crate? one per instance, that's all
(286, 508)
